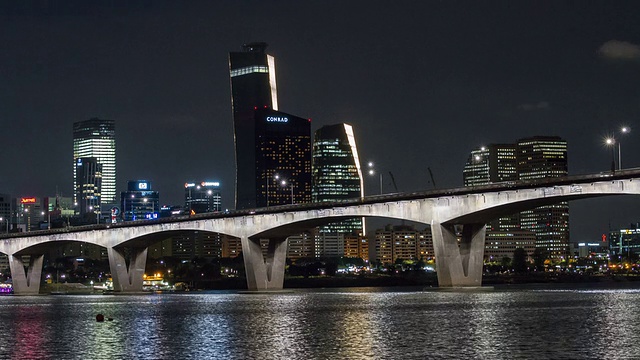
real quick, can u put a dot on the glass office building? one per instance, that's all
(95, 138)
(253, 86)
(336, 172)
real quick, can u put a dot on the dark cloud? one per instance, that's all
(537, 106)
(619, 50)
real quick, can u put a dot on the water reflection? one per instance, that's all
(361, 324)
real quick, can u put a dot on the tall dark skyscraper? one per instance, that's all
(282, 153)
(336, 172)
(96, 138)
(253, 86)
(89, 185)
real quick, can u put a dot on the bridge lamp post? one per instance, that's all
(611, 142)
(26, 222)
(48, 219)
(623, 130)
(284, 184)
(153, 206)
(372, 172)
(97, 212)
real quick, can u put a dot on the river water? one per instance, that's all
(362, 323)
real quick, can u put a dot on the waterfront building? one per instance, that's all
(329, 244)
(403, 242)
(203, 197)
(543, 157)
(500, 244)
(336, 173)
(95, 138)
(139, 201)
(231, 246)
(301, 246)
(625, 243)
(88, 186)
(253, 85)
(356, 246)
(197, 244)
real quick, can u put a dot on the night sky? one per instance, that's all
(423, 83)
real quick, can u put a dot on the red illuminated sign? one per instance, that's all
(29, 200)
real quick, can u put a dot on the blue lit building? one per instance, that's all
(139, 202)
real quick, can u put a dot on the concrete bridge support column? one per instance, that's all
(264, 272)
(127, 278)
(459, 263)
(26, 283)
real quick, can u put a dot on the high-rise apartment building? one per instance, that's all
(403, 242)
(95, 138)
(253, 86)
(336, 172)
(543, 157)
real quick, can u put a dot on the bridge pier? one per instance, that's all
(264, 272)
(127, 278)
(459, 264)
(26, 283)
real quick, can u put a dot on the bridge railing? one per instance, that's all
(493, 187)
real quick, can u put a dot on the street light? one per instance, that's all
(623, 130)
(48, 220)
(284, 184)
(474, 163)
(611, 142)
(153, 207)
(97, 212)
(372, 172)
(2, 219)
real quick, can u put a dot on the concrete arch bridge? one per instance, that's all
(458, 263)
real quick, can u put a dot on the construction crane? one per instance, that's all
(393, 181)
(433, 181)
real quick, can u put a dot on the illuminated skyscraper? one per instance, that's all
(336, 172)
(253, 85)
(543, 157)
(281, 170)
(95, 138)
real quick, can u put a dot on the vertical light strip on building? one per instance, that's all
(272, 81)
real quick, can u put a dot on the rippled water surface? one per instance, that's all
(529, 323)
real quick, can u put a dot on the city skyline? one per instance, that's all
(423, 85)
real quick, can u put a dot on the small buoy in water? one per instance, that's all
(99, 318)
(109, 319)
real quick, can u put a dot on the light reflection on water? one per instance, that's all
(346, 324)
